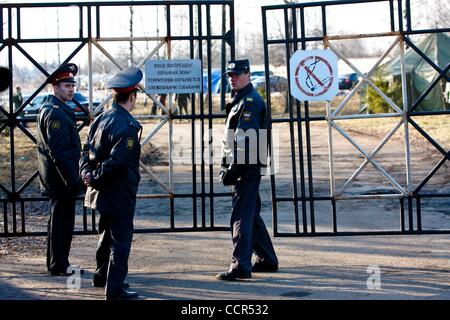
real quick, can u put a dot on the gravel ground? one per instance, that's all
(183, 265)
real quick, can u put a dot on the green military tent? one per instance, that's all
(419, 73)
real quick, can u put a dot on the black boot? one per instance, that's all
(123, 294)
(233, 274)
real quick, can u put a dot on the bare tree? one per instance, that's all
(430, 13)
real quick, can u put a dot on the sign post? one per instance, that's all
(314, 75)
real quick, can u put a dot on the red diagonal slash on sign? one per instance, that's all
(312, 74)
(325, 84)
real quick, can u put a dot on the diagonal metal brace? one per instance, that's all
(370, 159)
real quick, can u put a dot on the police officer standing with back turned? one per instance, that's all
(241, 168)
(59, 151)
(109, 167)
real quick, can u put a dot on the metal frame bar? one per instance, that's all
(372, 155)
(90, 18)
(369, 158)
(400, 28)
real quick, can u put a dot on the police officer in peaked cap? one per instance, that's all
(109, 167)
(241, 169)
(59, 149)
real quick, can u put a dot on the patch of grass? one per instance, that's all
(436, 126)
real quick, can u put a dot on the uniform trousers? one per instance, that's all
(113, 251)
(248, 231)
(60, 230)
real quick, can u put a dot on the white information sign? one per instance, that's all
(173, 76)
(314, 75)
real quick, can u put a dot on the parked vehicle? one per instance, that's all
(32, 109)
(258, 73)
(277, 83)
(84, 102)
(347, 81)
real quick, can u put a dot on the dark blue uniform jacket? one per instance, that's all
(59, 149)
(246, 130)
(111, 153)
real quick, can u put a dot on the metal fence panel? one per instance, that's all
(305, 202)
(92, 34)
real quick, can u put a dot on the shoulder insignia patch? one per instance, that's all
(249, 99)
(247, 116)
(130, 143)
(55, 124)
(55, 106)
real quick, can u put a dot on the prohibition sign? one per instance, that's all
(314, 84)
(313, 75)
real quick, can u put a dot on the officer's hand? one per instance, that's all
(222, 173)
(229, 176)
(87, 178)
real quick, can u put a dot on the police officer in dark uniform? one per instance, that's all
(241, 168)
(59, 151)
(109, 167)
(182, 99)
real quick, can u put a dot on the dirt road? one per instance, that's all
(183, 265)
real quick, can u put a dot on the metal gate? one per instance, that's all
(196, 36)
(312, 196)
